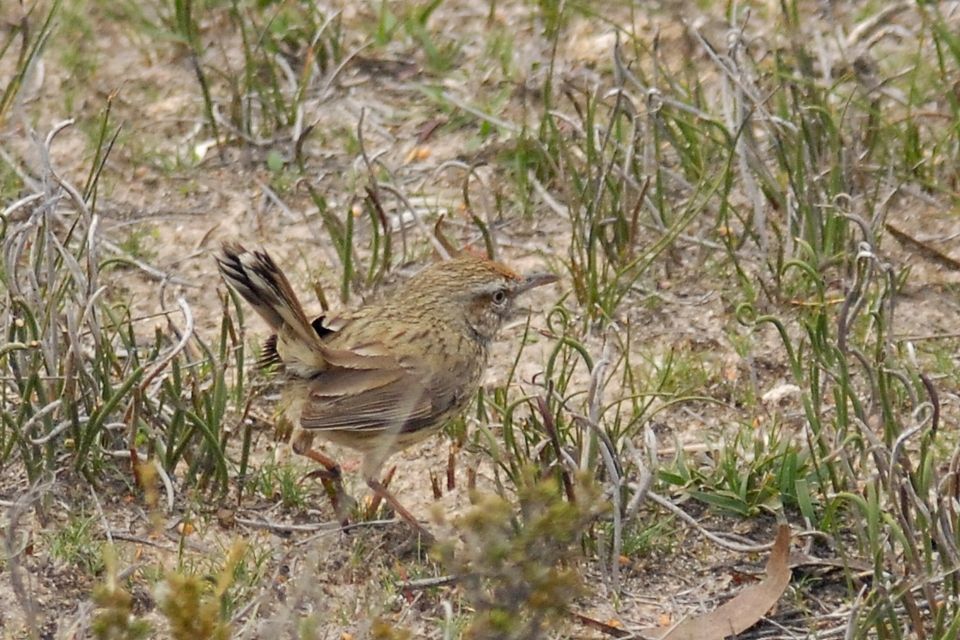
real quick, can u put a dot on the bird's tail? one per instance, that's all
(256, 277)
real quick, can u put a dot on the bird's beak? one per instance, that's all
(535, 280)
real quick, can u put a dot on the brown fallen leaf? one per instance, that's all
(614, 630)
(745, 609)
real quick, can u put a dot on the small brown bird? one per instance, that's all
(387, 375)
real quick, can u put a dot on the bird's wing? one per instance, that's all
(368, 390)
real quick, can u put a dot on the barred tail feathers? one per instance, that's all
(258, 279)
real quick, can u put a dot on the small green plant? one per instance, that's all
(758, 469)
(439, 50)
(518, 564)
(140, 242)
(283, 482)
(76, 544)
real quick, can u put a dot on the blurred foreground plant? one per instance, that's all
(518, 564)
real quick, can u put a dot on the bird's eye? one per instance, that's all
(499, 297)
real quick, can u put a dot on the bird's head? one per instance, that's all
(484, 291)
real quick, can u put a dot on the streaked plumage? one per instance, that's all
(387, 375)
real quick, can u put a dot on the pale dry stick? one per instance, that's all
(47, 212)
(103, 516)
(230, 127)
(8, 212)
(366, 524)
(125, 454)
(187, 333)
(509, 127)
(144, 540)
(594, 400)
(901, 485)
(331, 78)
(755, 99)
(70, 264)
(560, 209)
(375, 185)
(436, 244)
(739, 120)
(821, 50)
(647, 471)
(851, 627)
(628, 158)
(869, 28)
(75, 356)
(187, 138)
(293, 88)
(272, 196)
(326, 20)
(946, 512)
(608, 454)
(429, 583)
(32, 185)
(616, 476)
(83, 282)
(167, 484)
(153, 272)
(22, 591)
(449, 626)
(56, 431)
(648, 127)
(14, 247)
(673, 103)
(87, 317)
(38, 416)
(716, 539)
(281, 527)
(443, 166)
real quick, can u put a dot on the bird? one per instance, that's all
(385, 376)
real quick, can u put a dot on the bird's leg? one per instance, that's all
(331, 478)
(371, 509)
(381, 491)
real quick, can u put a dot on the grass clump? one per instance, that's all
(75, 544)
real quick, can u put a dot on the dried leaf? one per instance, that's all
(746, 609)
